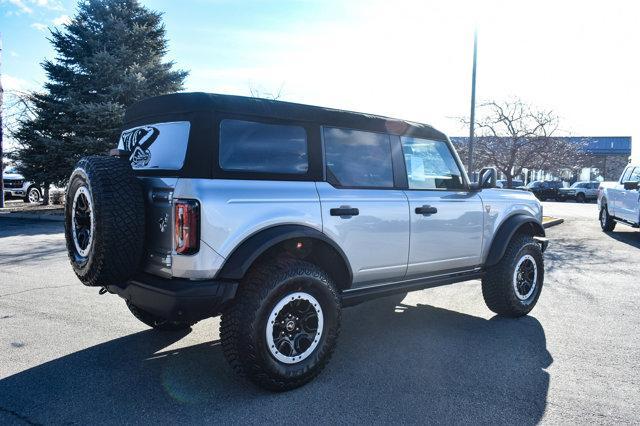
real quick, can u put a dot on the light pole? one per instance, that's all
(1, 153)
(473, 101)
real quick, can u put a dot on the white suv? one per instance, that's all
(278, 215)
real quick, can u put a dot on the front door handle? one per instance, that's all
(344, 211)
(426, 210)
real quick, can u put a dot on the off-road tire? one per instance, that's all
(116, 248)
(157, 322)
(498, 282)
(607, 224)
(243, 324)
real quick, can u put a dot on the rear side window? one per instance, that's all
(249, 146)
(430, 165)
(156, 146)
(358, 159)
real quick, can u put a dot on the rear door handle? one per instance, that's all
(426, 210)
(344, 211)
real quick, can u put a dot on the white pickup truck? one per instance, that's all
(620, 201)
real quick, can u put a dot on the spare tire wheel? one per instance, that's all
(104, 221)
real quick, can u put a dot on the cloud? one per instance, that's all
(11, 83)
(21, 5)
(27, 6)
(61, 20)
(38, 26)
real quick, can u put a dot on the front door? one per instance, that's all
(446, 218)
(361, 209)
(629, 198)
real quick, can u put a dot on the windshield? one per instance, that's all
(577, 185)
(533, 184)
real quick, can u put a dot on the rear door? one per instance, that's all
(446, 218)
(361, 208)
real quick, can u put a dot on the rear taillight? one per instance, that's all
(187, 226)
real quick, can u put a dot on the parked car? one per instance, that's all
(277, 215)
(580, 191)
(544, 190)
(619, 202)
(16, 186)
(502, 183)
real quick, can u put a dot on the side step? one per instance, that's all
(358, 295)
(626, 222)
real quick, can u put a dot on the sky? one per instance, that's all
(405, 59)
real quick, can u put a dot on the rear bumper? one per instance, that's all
(177, 299)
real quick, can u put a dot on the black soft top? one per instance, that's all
(183, 104)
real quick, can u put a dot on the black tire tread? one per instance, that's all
(119, 206)
(496, 283)
(236, 325)
(610, 224)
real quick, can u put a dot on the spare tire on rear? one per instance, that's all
(104, 221)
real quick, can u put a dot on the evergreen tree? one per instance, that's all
(109, 56)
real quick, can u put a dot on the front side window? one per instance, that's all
(248, 146)
(635, 175)
(430, 165)
(358, 159)
(626, 174)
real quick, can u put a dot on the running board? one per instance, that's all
(626, 222)
(358, 295)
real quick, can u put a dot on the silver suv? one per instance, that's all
(15, 185)
(278, 215)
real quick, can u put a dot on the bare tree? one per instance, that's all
(257, 92)
(512, 135)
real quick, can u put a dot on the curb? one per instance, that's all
(44, 217)
(551, 223)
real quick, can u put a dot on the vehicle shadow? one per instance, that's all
(628, 236)
(10, 227)
(393, 364)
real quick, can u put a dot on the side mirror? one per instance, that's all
(488, 177)
(630, 185)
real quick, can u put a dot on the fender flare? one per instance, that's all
(243, 256)
(506, 231)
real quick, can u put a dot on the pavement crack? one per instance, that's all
(36, 288)
(19, 416)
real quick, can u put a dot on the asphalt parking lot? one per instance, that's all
(69, 355)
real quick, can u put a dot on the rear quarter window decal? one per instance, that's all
(156, 146)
